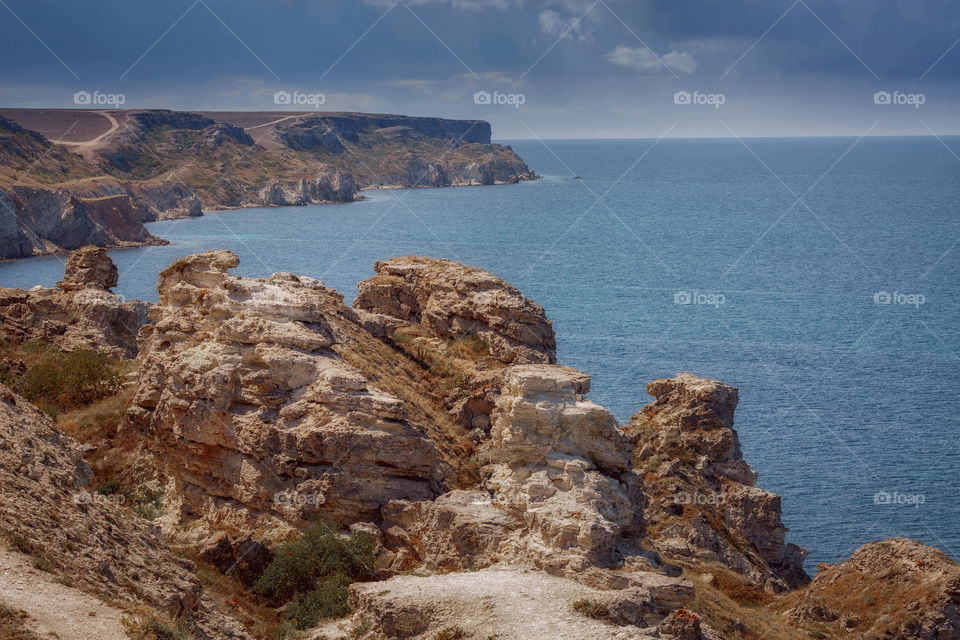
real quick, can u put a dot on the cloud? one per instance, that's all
(643, 59)
(552, 23)
(463, 5)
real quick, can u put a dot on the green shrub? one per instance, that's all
(452, 633)
(314, 572)
(327, 601)
(60, 381)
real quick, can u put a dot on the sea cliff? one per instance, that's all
(118, 169)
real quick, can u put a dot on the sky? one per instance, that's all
(534, 69)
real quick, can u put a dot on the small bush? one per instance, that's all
(313, 573)
(329, 600)
(591, 609)
(60, 381)
(18, 543)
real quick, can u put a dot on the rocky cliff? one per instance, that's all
(431, 420)
(703, 505)
(81, 312)
(162, 164)
(51, 201)
(328, 131)
(49, 511)
(256, 415)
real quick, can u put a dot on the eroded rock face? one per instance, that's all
(87, 537)
(558, 492)
(700, 490)
(255, 414)
(913, 589)
(89, 268)
(560, 464)
(452, 301)
(82, 313)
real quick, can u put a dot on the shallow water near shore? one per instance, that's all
(835, 315)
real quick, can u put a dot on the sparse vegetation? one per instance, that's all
(58, 381)
(361, 629)
(452, 633)
(470, 346)
(148, 625)
(591, 609)
(144, 500)
(311, 575)
(12, 625)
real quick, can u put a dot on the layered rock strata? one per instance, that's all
(702, 502)
(452, 300)
(255, 415)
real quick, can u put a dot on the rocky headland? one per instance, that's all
(71, 177)
(478, 492)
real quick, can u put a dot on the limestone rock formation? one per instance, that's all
(560, 464)
(255, 414)
(82, 313)
(502, 602)
(893, 588)
(46, 505)
(452, 300)
(700, 490)
(89, 268)
(558, 492)
(328, 185)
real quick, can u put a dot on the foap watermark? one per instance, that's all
(911, 299)
(699, 498)
(298, 499)
(98, 99)
(897, 498)
(708, 99)
(113, 499)
(298, 99)
(898, 98)
(96, 296)
(497, 98)
(714, 300)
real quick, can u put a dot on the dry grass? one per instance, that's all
(591, 609)
(12, 625)
(231, 596)
(729, 599)
(147, 625)
(396, 373)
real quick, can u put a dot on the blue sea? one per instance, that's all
(821, 276)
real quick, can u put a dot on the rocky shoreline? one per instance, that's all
(430, 421)
(164, 165)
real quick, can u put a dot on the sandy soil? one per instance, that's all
(55, 610)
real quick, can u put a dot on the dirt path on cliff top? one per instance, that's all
(55, 610)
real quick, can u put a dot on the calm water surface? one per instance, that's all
(842, 398)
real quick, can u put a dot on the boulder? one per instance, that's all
(89, 268)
